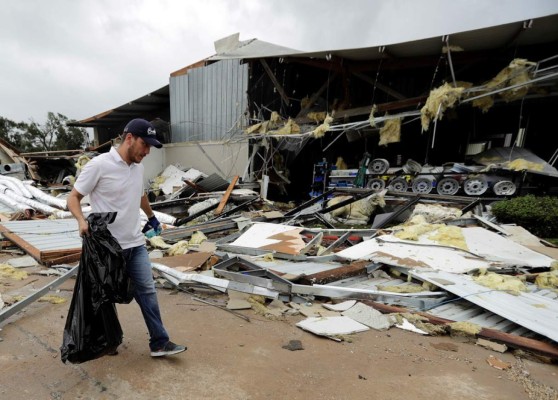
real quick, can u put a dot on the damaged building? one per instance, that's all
(349, 189)
(427, 109)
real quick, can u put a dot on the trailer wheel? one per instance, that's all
(504, 188)
(422, 185)
(398, 185)
(475, 186)
(376, 184)
(378, 166)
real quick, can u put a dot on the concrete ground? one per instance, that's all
(231, 358)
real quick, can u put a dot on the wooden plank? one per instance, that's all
(197, 188)
(275, 81)
(54, 254)
(5, 243)
(521, 342)
(332, 275)
(21, 243)
(68, 259)
(226, 196)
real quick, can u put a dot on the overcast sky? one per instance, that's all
(83, 57)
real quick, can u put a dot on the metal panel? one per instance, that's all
(454, 309)
(47, 234)
(20, 305)
(208, 102)
(534, 312)
(4, 209)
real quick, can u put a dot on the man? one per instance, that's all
(114, 182)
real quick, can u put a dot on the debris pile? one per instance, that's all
(347, 264)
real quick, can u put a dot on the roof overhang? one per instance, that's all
(533, 31)
(521, 33)
(527, 32)
(140, 107)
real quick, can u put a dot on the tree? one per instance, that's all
(70, 138)
(14, 133)
(55, 134)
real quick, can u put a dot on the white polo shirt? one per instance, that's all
(113, 185)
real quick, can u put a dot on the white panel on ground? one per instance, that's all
(332, 326)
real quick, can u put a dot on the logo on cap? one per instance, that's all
(151, 131)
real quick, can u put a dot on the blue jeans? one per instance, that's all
(138, 266)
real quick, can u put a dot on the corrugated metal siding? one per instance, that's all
(47, 234)
(207, 103)
(4, 209)
(455, 309)
(531, 310)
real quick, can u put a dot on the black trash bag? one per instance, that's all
(92, 328)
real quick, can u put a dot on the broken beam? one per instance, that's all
(332, 275)
(226, 196)
(189, 218)
(234, 210)
(275, 81)
(197, 188)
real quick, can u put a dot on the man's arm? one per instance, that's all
(146, 207)
(74, 205)
(152, 221)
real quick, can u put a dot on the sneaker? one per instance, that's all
(169, 349)
(113, 351)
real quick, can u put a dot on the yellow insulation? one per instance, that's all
(449, 236)
(548, 280)
(323, 128)
(517, 72)
(521, 164)
(411, 288)
(179, 248)
(390, 132)
(415, 227)
(7, 271)
(439, 100)
(371, 116)
(464, 329)
(317, 117)
(505, 283)
(291, 127)
(197, 238)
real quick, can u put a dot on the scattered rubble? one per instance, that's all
(285, 260)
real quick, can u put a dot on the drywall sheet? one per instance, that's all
(532, 311)
(495, 247)
(369, 316)
(175, 177)
(184, 262)
(294, 268)
(344, 306)
(390, 250)
(332, 326)
(274, 237)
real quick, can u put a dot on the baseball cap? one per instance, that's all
(143, 129)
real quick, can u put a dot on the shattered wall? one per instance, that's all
(231, 158)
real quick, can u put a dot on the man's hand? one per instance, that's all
(152, 223)
(83, 227)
